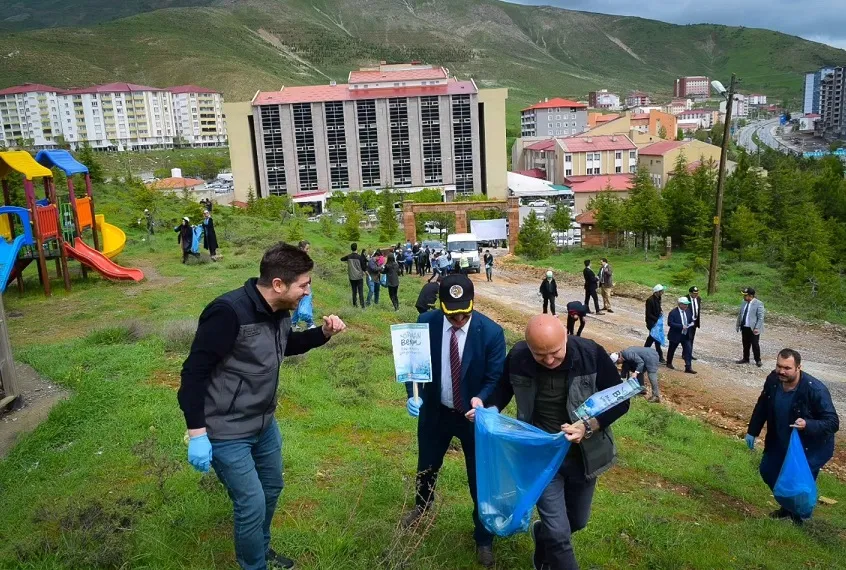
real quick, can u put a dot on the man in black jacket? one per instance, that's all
(653, 312)
(793, 398)
(551, 374)
(696, 309)
(428, 297)
(228, 392)
(591, 282)
(548, 291)
(356, 266)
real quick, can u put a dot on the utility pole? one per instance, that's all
(721, 181)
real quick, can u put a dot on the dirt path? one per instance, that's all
(722, 393)
(39, 396)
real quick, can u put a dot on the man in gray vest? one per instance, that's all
(550, 375)
(356, 266)
(636, 360)
(228, 393)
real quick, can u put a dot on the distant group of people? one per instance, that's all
(188, 236)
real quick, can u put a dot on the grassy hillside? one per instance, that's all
(241, 46)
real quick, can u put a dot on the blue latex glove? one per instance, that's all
(750, 441)
(200, 452)
(413, 406)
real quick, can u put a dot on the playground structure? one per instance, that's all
(56, 231)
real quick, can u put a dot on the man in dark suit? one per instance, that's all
(468, 353)
(696, 309)
(591, 282)
(653, 313)
(680, 320)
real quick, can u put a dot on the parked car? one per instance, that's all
(433, 245)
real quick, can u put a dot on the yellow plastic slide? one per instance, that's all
(114, 239)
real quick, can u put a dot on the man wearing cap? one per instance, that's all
(653, 312)
(468, 352)
(548, 292)
(550, 374)
(680, 320)
(695, 308)
(635, 360)
(750, 324)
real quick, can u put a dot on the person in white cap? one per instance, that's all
(636, 360)
(185, 237)
(549, 291)
(653, 312)
(680, 320)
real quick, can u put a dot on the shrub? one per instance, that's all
(178, 335)
(119, 334)
(683, 277)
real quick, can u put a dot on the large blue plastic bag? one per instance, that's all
(795, 488)
(514, 463)
(657, 331)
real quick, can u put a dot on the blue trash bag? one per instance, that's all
(514, 463)
(304, 311)
(795, 488)
(195, 243)
(657, 331)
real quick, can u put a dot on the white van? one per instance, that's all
(470, 244)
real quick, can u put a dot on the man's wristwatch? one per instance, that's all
(588, 430)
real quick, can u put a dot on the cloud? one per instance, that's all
(821, 21)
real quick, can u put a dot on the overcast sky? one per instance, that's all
(818, 20)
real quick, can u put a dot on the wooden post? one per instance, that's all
(8, 374)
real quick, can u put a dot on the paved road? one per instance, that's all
(764, 129)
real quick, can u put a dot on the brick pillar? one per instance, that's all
(409, 221)
(513, 222)
(460, 221)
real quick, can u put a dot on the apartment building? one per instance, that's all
(29, 112)
(403, 126)
(114, 116)
(637, 99)
(832, 122)
(198, 116)
(602, 99)
(756, 99)
(739, 108)
(695, 87)
(706, 117)
(553, 117)
(813, 82)
(660, 158)
(677, 106)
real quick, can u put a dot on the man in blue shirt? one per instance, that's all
(792, 398)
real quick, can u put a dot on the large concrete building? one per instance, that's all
(115, 116)
(832, 121)
(813, 81)
(554, 118)
(602, 99)
(400, 126)
(695, 87)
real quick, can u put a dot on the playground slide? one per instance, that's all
(114, 239)
(99, 262)
(8, 258)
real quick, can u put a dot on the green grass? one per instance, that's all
(103, 483)
(632, 268)
(118, 164)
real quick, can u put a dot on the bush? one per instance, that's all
(119, 334)
(683, 277)
(326, 226)
(178, 335)
(295, 232)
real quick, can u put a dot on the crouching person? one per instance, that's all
(551, 374)
(228, 393)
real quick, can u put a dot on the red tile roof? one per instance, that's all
(342, 92)
(190, 89)
(600, 182)
(596, 143)
(29, 88)
(640, 116)
(660, 148)
(557, 102)
(606, 118)
(377, 76)
(533, 173)
(587, 218)
(175, 183)
(542, 146)
(812, 116)
(112, 88)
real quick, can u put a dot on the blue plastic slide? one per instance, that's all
(9, 251)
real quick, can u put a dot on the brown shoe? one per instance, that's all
(486, 556)
(411, 517)
(654, 400)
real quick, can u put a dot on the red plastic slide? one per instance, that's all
(100, 263)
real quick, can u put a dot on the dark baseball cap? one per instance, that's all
(693, 289)
(748, 291)
(456, 294)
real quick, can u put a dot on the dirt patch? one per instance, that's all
(39, 396)
(165, 379)
(152, 280)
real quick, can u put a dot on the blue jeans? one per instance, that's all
(374, 287)
(251, 470)
(564, 508)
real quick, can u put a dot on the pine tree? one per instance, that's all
(251, 198)
(745, 232)
(350, 229)
(534, 240)
(388, 224)
(610, 214)
(561, 219)
(86, 157)
(662, 132)
(645, 208)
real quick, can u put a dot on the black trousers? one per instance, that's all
(691, 334)
(392, 293)
(686, 351)
(549, 301)
(433, 442)
(571, 324)
(650, 341)
(750, 340)
(591, 294)
(357, 286)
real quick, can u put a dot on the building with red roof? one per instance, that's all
(554, 117)
(694, 86)
(637, 99)
(585, 188)
(406, 126)
(660, 158)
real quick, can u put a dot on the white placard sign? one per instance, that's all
(412, 356)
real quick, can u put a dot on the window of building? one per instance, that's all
(632, 155)
(618, 169)
(337, 144)
(568, 172)
(568, 158)
(368, 143)
(618, 155)
(462, 144)
(632, 168)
